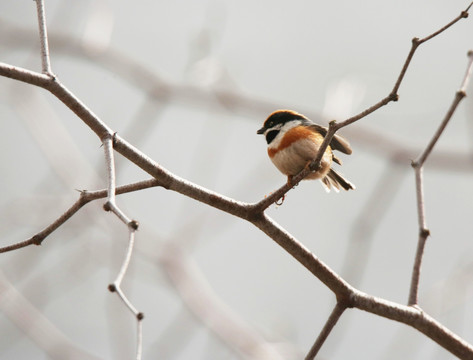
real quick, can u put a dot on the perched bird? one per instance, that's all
(293, 142)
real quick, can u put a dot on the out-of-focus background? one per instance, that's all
(189, 83)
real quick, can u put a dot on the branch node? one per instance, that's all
(424, 233)
(52, 77)
(114, 139)
(416, 41)
(464, 14)
(107, 206)
(37, 240)
(346, 300)
(133, 224)
(140, 316)
(112, 288)
(417, 307)
(393, 97)
(256, 215)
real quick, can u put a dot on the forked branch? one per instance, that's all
(418, 169)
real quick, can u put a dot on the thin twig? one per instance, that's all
(139, 338)
(110, 162)
(43, 38)
(116, 287)
(463, 15)
(336, 313)
(393, 95)
(125, 264)
(110, 205)
(423, 235)
(418, 169)
(84, 198)
(468, 73)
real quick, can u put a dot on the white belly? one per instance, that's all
(293, 159)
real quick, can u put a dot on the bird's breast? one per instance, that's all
(296, 148)
(300, 134)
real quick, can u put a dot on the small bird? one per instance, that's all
(293, 142)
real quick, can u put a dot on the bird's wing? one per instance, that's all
(338, 142)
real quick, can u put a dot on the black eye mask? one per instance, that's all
(271, 135)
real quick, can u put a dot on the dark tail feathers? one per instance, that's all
(335, 180)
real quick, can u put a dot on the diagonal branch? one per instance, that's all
(418, 169)
(84, 198)
(393, 95)
(336, 313)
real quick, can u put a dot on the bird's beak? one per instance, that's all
(261, 131)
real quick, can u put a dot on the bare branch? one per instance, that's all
(116, 287)
(469, 69)
(110, 162)
(139, 337)
(337, 312)
(39, 237)
(111, 205)
(418, 319)
(124, 268)
(463, 15)
(85, 197)
(418, 169)
(43, 38)
(393, 96)
(24, 75)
